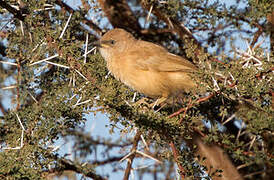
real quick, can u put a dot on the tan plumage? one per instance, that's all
(144, 66)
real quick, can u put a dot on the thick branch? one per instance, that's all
(2, 109)
(16, 13)
(182, 31)
(120, 15)
(107, 161)
(270, 19)
(89, 140)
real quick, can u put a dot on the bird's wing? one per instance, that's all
(153, 57)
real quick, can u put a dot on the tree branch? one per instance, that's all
(175, 154)
(67, 165)
(16, 13)
(130, 159)
(270, 19)
(120, 15)
(109, 160)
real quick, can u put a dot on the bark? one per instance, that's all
(120, 15)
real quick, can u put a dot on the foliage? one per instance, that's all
(44, 99)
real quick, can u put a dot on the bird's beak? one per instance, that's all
(101, 44)
(96, 43)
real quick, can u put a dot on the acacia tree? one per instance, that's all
(49, 82)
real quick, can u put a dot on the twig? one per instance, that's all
(232, 77)
(107, 161)
(79, 90)
(184, 109)
(244, 165)
(255, 173)
(256, 36)
(77, 101)
(248, 56)
(188, 106)
(3, 110)
(175, 154)
(69, 165)
(133, 149)
(46, 7)
(143, 167)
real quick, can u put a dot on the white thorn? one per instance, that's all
(9, 63)
(148, 156)
(22, 28)
(89, 51)
(9, 87)
(60, 65)
(62, 34)
(125, 157)
(86, 49)
(43, 60)
(81, 75)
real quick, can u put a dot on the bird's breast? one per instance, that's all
(146, 82)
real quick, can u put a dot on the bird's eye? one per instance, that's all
(112, 42)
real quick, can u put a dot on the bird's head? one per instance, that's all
(114, 41)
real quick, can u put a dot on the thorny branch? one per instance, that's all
(131, 158)
(176, 155)
(67, 165)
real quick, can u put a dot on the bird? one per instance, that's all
(150, 69)
(145, 66)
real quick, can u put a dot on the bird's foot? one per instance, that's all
(146, 102)
(158, 102)
(143, 101)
